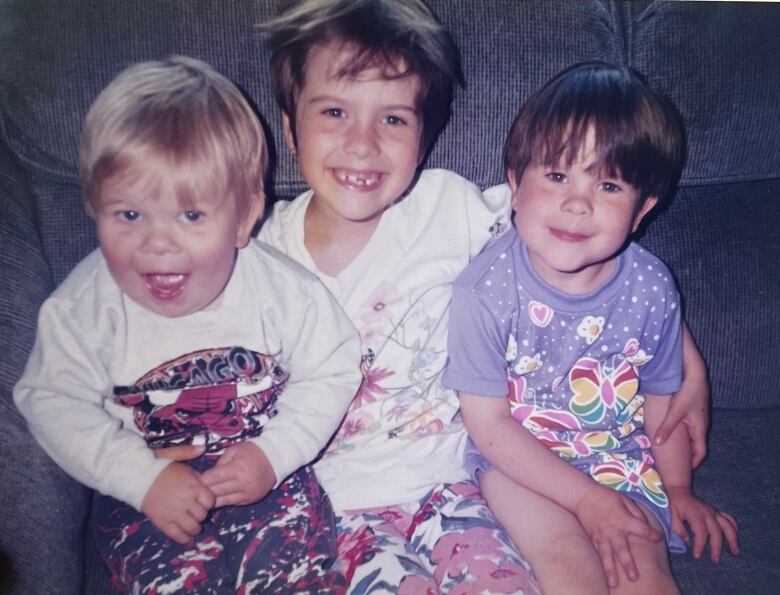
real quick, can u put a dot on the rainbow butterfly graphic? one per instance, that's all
(598, 389)
(556, 429)
(630, 475)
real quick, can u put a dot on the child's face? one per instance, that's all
(358, 139)
(574, 220)
(171, 258)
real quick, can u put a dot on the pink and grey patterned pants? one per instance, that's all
(449, 542)
(283, 544)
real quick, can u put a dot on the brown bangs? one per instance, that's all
(638, 136)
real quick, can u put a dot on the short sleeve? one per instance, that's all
(477, 346)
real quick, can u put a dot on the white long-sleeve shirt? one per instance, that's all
(91, 338)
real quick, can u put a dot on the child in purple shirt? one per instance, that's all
(557, 326)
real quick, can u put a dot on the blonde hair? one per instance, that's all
(182, 113)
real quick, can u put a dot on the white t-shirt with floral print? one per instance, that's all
(402, 434)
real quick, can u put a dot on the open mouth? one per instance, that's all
(165, 286)
(358, 180)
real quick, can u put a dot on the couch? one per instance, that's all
(719, 234)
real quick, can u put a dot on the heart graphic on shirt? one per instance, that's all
(541, 314)
(631, 347)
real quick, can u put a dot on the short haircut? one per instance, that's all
(384, 34)
(638, 132)
(182, 115)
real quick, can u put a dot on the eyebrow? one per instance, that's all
(337, 99)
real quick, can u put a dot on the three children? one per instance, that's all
(364, 89)
(180, 329)
(556, 328)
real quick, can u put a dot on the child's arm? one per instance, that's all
(673, 461)
(690, 403)
(321, 352)
(607, 517)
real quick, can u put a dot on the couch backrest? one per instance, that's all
(716, 60)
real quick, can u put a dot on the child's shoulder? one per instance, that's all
(499, 251)
(645, 265)
(89, 280)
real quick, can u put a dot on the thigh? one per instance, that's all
(465, 547)
(141, 559)
(652, 562)
(284, 543)
(375, 555)
(549, 536)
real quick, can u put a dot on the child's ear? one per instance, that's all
(647, 206)
(512, 179)
(247, 223)
(289, 135)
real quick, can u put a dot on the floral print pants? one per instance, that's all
(449, 542)
(283, 544)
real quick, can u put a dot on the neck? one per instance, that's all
(332, 241)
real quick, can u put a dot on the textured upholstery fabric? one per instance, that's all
(717, 61)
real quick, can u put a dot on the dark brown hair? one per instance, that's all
(384, 33)
(638, 133)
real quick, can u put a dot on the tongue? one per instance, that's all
(165, 287)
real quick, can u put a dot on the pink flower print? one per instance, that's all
(369, 389)
(418, 585)
(355, 423)
(467, 560)
(485, 576)
(376, 313)
(355, 548)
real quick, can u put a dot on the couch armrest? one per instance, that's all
(42, 511)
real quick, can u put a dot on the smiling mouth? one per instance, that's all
(165, 286)
(358, 180)
(568, 236)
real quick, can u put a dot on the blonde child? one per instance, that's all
(364, 88)
(180, 329)
(557, 327)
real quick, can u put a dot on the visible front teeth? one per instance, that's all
(167, 280)
(360, 179)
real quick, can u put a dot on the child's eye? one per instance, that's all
(395, 120)
(556, 177)
(334, 112)
(191, 216)
(610, 187)
(128, 216)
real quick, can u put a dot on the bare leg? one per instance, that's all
(652, 562)
(548, 536)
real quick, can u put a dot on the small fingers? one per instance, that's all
(729, 527)
(183, 452)
(698, 437)
(715, 536)
(604, 550)
(175, 532)
(625, 559)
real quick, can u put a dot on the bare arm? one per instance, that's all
(690, 404)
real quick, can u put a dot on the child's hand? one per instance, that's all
(177, 502)
(608, 518)
(690, 403)
(688, 406)
(243, 475)
(183, 452)
(705, 522)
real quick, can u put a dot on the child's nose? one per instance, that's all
(159, 240)
(577, 202)
(362, 140)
